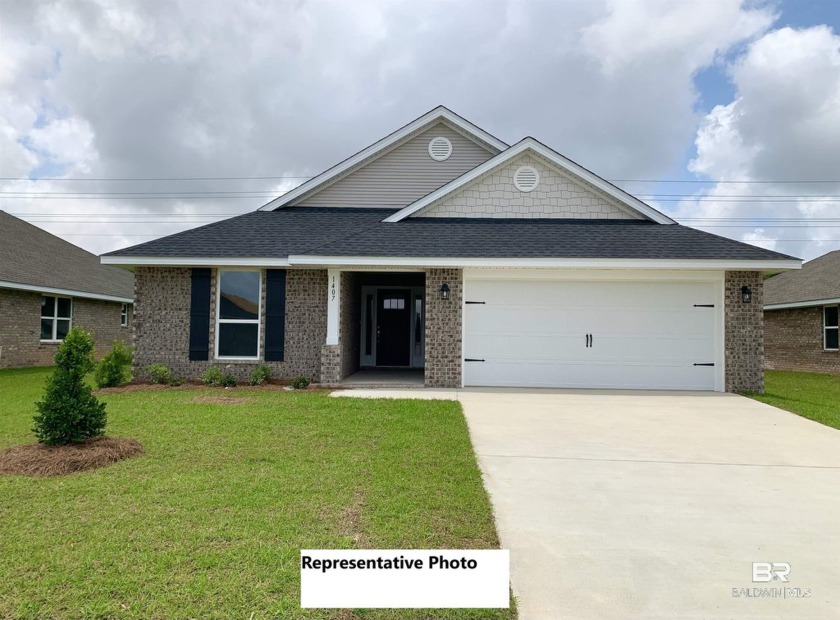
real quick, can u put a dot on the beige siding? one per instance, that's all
(558, 195)
(403, 174)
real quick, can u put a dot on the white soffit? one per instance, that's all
(440, 113)
(530, 144)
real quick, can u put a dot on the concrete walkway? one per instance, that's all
(656, 504)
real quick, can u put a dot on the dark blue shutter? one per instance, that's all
(275, 314)
(200, 315)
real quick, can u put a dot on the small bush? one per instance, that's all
(212, 377)
(300, 383)
(160, 373)
(228, 381)
(69, 412)
(115, 368)
(260, 375)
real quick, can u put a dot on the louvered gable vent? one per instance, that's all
(440, 148)
(526, 178)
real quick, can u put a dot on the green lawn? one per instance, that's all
(813, 396)
(209, 523)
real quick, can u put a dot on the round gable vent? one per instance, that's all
(440, 148)
(526, 178)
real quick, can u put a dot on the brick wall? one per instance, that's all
(744, 333)
(443, 328)
(793, 340)
(20, 327)
(162, 320)
(556, 196)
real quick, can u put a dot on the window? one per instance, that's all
(56, 316)
(393, 304)
(830, 340)
(124, 315)
(238, 311)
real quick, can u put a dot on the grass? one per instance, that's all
(813, 396)
(209, 522)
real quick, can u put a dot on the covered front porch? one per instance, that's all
(379, 322)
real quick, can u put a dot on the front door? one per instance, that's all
(393, 327)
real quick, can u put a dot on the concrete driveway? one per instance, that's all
(655, 504)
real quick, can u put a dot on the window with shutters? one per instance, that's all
(831, 326)
(238, 311)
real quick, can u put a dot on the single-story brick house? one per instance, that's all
(801, 317)
(47, 285)
(442, 248)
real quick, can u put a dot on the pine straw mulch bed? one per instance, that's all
(266, 387)
(40, 460)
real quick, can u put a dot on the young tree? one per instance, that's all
(69, 412)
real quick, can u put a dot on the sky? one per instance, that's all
(122, 121)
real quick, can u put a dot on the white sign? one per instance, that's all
(404, 578)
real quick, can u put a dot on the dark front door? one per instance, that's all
(393, 328)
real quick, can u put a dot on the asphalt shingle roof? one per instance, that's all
(818, 279)
(32, 256)
(360, 232)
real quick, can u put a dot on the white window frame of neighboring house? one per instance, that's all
(124, 315)
(220, 321)
(836, 328)
(55, 318)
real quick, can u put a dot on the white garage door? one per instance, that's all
(590, 334)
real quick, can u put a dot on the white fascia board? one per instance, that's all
(177, 261)
(579, 263)
(803, 304)
(66, 292)
(561, 162)
(439, 113)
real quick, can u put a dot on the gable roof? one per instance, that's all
(564, 163)
(33, 259)
(308, 236)
(378, 148)
(816, 283)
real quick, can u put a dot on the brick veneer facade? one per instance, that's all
(20, 327)
(744, 332)
(793, 340)
(162, 320)
(443, 328)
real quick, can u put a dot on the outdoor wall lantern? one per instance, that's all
(444, 291)
(746, 294)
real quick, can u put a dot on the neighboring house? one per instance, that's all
(801, 317)
(441, 247)
(47, 285)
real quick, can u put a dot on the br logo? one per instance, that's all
(768, 571)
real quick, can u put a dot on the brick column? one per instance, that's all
(744, 332)
(443, 328)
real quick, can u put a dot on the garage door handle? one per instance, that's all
(705, 364)
(472, 359)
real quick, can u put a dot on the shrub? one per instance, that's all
(300, 383)
(228, 381)
(261, 374)
(212, 377)
(115, 368)
(160, 373)
(69, 412)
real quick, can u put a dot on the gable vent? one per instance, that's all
(440, 148)
(526, 178)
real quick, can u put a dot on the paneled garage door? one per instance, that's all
(590, 334)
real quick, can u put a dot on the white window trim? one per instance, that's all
(219, 320)
(834, 327)
(55, 318)
(124, 315)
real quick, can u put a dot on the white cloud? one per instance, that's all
(783, 125)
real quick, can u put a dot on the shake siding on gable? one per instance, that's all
(557, 196)
(403, 174)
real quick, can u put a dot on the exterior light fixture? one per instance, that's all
(746, 294)
(444, 291)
